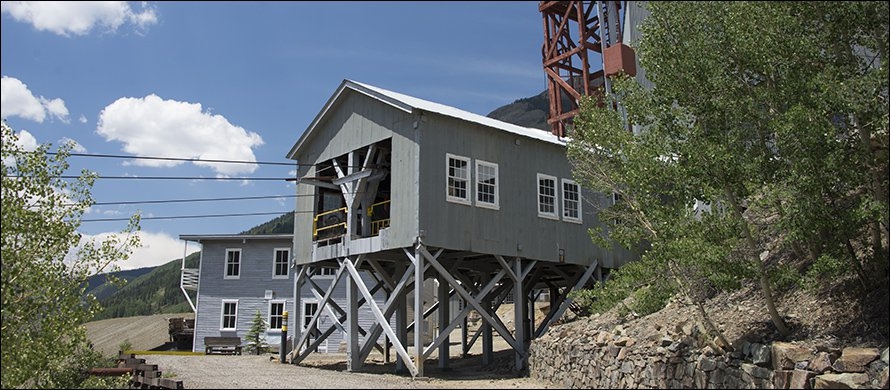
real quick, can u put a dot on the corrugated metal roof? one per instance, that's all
(426, 105)
(410, 103)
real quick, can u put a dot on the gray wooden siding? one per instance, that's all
(354, 123)
(418, 185)
(515, 229)
(257, 259)
(250, 288)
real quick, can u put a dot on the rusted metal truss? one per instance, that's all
(575, 35)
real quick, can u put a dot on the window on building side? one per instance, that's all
(547, 196)
(571, 201)
(229, 318)
(281, 263)
(458, 176)
(325, 272)
(486, 184)
(233, 263)
(276, 315)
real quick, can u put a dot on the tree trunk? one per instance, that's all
(877, 190)
(752, 253)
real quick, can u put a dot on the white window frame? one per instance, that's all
(467, 180)
(325, 273)
(543, 214)
(275, 263)
(306, 316)
(226, 264)
(480, 203)
(222, 314)
(566, 200)
(283, 304)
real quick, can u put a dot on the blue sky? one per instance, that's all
(235, 81)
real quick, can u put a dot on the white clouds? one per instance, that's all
(156, 249)
(154, 127)
(56, 108)
(76, 146)
(79, 17)
(27, 141)
(24, 140)
(17, 100)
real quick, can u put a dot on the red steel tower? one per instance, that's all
(582, 47)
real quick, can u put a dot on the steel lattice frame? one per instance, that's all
(574, 36)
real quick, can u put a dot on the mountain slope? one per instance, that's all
(279, 225)
(528, 112)
(97, 284)
(155, 292)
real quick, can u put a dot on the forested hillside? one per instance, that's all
(98, 286)
(280, 225)
(155, 292)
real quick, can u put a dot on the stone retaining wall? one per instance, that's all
(588, 358)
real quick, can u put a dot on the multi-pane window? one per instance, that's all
(276, 315)
(571, 201)
(233, 263)
(281, 263)
(229, 314)
(458, 176)
(547, 196)
(486, 184)
(326, 272)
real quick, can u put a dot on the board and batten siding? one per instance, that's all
(514, 229)
(353, 123)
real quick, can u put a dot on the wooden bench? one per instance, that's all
(223, 345)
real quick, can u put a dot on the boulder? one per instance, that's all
(855, 359)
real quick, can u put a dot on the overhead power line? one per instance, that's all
(171, 177)
(192, 216)
(181, 159)
(290, 164)
(197, 200)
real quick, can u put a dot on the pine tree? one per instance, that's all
(255, 340)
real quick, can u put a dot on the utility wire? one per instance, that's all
(290, 164)
(181, 159)
(199, 199)
(170, 177)
(195, 200)
(193, 216)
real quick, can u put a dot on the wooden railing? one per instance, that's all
(189, 278)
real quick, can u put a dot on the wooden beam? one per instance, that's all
(378, 315)
(495, 322)
(566, 301)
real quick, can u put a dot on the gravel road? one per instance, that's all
(262, 372)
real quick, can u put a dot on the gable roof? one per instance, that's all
(410, 104)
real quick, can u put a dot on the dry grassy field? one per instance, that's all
(143, 332)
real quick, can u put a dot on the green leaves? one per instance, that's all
(44, 341)
(778, 111)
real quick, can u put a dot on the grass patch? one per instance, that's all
(179, 353)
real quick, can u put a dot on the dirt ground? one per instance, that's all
(318, 370)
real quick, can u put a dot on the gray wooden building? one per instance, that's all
(409, 191)
(240, 275)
